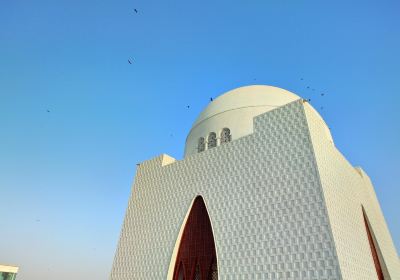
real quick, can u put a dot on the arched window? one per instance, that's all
(201, 145)
(225, 135)
(212, 140)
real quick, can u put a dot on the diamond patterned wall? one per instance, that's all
(346, 189)
(263, 196)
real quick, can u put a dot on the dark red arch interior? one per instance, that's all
(373, 249)
(197, 248)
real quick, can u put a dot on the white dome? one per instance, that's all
(268, 97)
(235, 110)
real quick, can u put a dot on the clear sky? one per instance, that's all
(65, 175)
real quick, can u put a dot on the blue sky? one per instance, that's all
(65, 175)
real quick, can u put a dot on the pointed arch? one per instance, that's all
(196, 248)
(375, 252)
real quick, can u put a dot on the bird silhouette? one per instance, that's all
(301, 79)
(129, 61)
(136, 11)
(211, 99)
(308, 87)
(309, 100)
(188, 106)
(48, 111)
(322, 94)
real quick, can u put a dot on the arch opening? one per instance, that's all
(226, 135)
(373, 247)
(201, 145)
(196, 254)
(212, 140)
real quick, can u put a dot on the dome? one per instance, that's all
(256, 96)
(235, 110)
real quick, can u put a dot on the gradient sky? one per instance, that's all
(65, 175)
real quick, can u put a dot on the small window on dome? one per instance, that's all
(212, 140)
(225, 135)
(201, 145)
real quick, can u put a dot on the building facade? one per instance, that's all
(262, 193)
(8, 272)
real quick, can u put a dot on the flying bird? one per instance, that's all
(309, 100)
(308, 87)
(129, 61)
(322, 94)
(301, 79)
(136, 11)
(188, 106)
(48, 111)
(211, 99)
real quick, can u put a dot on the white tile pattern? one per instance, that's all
(345, 189)
(265, 200)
